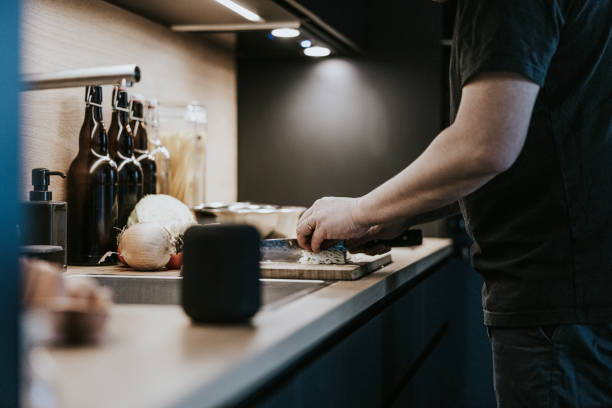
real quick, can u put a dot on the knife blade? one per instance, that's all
(285, 250)
(280, 250)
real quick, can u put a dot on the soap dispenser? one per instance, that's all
(44, 220)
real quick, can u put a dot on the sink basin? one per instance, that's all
(166, 290)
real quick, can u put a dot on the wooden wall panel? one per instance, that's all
(176, 68)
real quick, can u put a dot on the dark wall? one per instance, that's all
(332, 127)
(9, 136)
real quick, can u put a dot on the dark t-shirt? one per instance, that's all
(543, 229)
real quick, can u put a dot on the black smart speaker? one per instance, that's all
(221, 273)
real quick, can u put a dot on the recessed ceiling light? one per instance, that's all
(285, 32)
(237, 8)
(306, 43)
(317, 51)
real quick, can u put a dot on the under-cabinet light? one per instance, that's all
(317, 51)
(237, 8)
(285, 32)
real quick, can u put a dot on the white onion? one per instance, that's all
(164, 210)
(146, 246)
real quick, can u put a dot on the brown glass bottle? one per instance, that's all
(141, 148)
(122, 152)
(91, 189)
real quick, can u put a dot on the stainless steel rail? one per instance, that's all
(125, 75)
(234, 27)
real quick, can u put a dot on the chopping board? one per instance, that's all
(359, 266)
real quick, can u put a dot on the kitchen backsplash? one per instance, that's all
(176, 68)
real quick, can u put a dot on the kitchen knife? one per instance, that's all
(288, 250)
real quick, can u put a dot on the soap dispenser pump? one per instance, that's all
(44, 220)
(41, 179)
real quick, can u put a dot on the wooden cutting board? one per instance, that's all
(359, 267)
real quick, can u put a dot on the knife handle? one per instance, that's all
(411, 237)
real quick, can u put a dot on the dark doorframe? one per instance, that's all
(9, 158)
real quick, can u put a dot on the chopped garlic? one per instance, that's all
(329, 256)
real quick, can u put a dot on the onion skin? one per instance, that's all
(146, 247)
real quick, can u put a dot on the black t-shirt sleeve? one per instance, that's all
(519, 36)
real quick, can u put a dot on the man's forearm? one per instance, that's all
(483, 141)
(447, 171)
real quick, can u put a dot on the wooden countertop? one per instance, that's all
(152, 356)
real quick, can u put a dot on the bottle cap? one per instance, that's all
(93, 95)
(120, 99)
(136, 110)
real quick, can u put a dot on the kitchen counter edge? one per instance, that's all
(154, 356)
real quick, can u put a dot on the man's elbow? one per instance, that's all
(488, 150)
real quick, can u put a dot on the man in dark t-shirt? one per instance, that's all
(528, 160)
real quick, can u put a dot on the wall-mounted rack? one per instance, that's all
(124, 75)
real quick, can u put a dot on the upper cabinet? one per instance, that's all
(397, 28)
(213, 15)
(345, 27)
(252, 21)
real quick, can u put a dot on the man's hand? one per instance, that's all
(330, 218)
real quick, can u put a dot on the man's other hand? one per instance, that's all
(330, 218)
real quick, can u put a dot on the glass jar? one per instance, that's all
(160, 153)
(183, 130)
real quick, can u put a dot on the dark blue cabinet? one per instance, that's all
(408, 352)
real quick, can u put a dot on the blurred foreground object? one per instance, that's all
(221, 273)
(62, 310)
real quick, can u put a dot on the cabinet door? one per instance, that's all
(438, 376)
(410, 353)
(347, 375)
